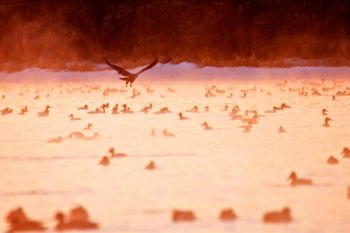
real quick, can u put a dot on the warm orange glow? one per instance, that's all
(210, 145)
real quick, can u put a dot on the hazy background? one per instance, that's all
(75, 35)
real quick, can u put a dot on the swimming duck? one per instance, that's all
(19, 221)
(206, 126)
(85, 107)
(346, 152)
(151, 166)
(326, 122)
(45, 113)
(55, 140)
(6, 111)
(115, 155)
(324, 112)
(115, 109)
(24, 110)
(194, 109)
(126, 109)
(147, 108)
(88, 127)
(181, 117)
(78, 219)
(332, 160)
(246, 128)
(170, 89)
(77, 135)
(225, 108)
(166, 133)
(93, 137)
(284, 105)
(274, 110)
(227, 215)
(249, 121)
(104, 161)
(96, 111)
(283, 216)
(298, 181)
(163, 111)
(206, 108)
(72, 118)
(281, 130)
(183, 215)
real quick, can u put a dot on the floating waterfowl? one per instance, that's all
(78, 219)
(246, 128)
(166, 133)
(324, 112)
(332, 160)
(194, 109)
(55, 140)
(206, 126)
(282, 216)
(284, 105)
(6, 111)
(115, 109)
(146, 108)
(77, 135)
(80, 135)
(183, 216)
(274, 110)
(346, 152)
(326, 122)
(113, 154)
(151, 165)
(181, 117)
(24, 110)
(19, 221)
(85, 107)
(72, 118)
(298, 181)
(227, 215)
(225, 108)
(104, 161)
(45, 113)
(281, 130)
(89, 126)
(126, 109)
(163, 111)
(97, 111)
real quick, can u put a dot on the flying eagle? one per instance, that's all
(130, 77)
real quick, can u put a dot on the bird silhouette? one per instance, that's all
(130, 77)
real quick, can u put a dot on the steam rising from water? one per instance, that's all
(183, 71)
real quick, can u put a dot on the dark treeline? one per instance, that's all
(74, 33)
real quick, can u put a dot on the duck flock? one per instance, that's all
(236, 104)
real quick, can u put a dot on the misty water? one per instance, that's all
(203, 171)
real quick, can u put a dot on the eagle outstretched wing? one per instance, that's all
(120, 70)
(149, 66)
